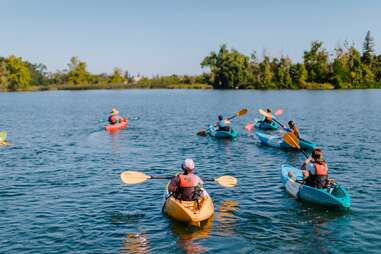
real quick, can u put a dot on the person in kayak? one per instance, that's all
(186, 185)
(268, 119)
(223, 124)
(315, 170)
(292, 128)
(114, 117)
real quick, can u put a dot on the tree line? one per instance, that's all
(349, 68)
(227, 69)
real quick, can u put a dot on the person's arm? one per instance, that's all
(172, 186)
(304, 165)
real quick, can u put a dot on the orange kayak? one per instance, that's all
(113, 127)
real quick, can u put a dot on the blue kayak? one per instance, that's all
(260, 124)
(214, 132)
(277, 141)
(335, 196)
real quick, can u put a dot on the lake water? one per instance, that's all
(60, 190)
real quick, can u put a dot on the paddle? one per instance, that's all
(266, 114)
(3, 138)
(293, 141)
(240, 113)
(279, 112)
(135, 177)
(129, 118)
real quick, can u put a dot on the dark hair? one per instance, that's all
(291, 123)
(268, 110)
(317, 155)
(220, 117)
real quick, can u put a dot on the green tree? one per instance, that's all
(316, 63)
(298, 74)
(77, 72)
(282, 69)
(229, 68)
(18, 73)
(117, 76)
(3, 74)
(368, 49)
(38, 73)
(266, 74)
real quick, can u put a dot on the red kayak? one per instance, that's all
(113, 127)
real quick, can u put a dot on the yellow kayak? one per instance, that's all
(192, 212)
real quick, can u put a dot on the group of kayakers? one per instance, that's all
(187, 186)
(314, 168)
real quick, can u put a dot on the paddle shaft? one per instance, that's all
(170, 177)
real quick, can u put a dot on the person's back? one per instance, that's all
(317, 170)
(268, 119)
(186, 185)
(223, 124)
(114, 117)
(293, 129)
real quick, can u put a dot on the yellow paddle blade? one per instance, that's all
(133, 177)
(242, 112)
(3, 135)
(226, 181)
(291, 140)
(264, 113)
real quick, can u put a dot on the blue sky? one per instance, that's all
(165, 37)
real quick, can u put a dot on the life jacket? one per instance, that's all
(295, 131)
(320, 178)
(321, 169)
(112, 119)
(188, 188)
(186, 181)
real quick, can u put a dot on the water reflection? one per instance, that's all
(135, 244)
(226, 218)
(188, 236)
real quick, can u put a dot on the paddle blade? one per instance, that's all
(249, 127)
(291, 140)
(133, 177)
(242, 112)
(3, 135)
(226, 181)
(265, 114)
(279, 112)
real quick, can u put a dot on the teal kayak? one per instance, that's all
(335, 196)
(277, 141)
(214, 132)
(260, 124)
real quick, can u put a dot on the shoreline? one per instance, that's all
(170, 87)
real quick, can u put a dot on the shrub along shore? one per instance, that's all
(349, 68)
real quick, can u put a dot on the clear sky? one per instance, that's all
(173, 36)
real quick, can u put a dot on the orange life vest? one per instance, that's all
(187, 181)
(321, 169)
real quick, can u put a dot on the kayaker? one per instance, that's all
(315, 170)
(114, 117)
(268, 119)
(223, 124)
(293, 129)
(186, 185)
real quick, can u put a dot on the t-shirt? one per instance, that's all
(221, 123)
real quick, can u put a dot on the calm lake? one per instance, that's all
(60, 190)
